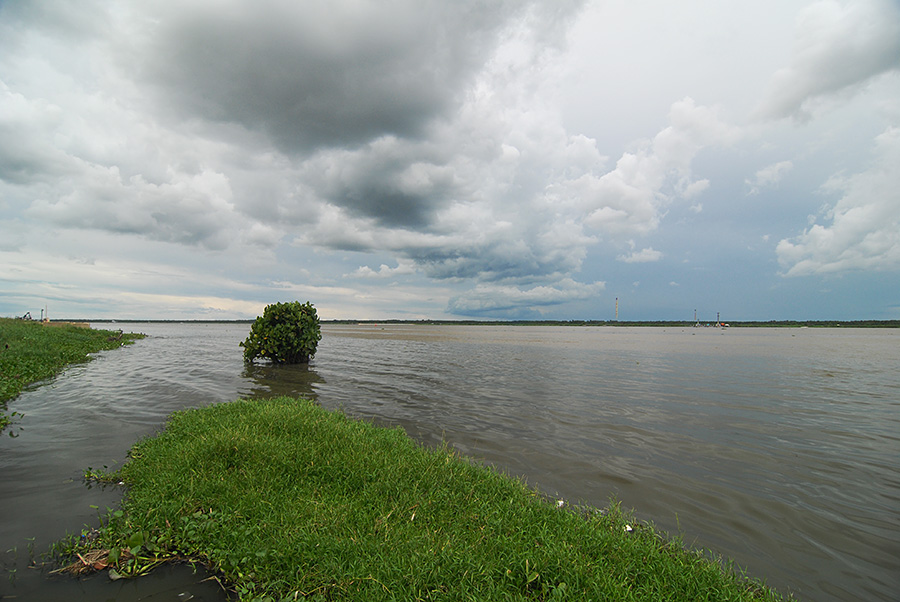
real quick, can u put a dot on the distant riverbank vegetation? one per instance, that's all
(286, 500)
(32, 351)
(655, 323)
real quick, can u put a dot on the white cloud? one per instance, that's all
(688, 190)
(768, 176)
(261, 235)
(511, 204)
(469, 201)
(838, 46)
(188, 208)
(643, 256)
(632, 198)
(864, 233)
(384, 271)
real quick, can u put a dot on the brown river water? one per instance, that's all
(777, 448)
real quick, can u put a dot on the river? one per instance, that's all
(778, 448)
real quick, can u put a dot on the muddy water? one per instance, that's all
(778, 448)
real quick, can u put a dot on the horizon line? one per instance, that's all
(488, 321)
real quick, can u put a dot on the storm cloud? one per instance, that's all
(315, 74)
(428, 158)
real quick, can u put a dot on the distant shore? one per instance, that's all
(630, 323)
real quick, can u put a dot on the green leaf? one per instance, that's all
(135, 540)
(285, 333)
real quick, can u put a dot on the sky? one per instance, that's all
(426, 159)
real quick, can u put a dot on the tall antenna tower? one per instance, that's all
(617, 309)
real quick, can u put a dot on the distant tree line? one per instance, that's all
(658, 323)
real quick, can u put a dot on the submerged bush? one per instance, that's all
(286, 333)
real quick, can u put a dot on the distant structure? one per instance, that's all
(718, 324)
(617, 309)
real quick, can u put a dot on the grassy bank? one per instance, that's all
(31, 351)
(288, 501)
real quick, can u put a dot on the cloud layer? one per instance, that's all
(336, 150)
(864, 229)
(839, 47)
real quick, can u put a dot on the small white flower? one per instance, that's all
(628, 528)
(560, 503)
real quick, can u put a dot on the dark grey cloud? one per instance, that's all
(382, 118)
(312, 142)
(395, 183)
(316, 74)
(517, 258)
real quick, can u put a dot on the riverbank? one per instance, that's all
(286, 499)
(30, 352)
(619, 323)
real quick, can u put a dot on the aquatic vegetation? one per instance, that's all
(288, 500)
(31, 351)
(286, 333)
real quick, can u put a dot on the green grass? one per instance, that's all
(31, 352)
(287, 500)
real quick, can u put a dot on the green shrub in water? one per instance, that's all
(286, 333)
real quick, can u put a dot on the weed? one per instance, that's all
(31, 352)
(288, 500)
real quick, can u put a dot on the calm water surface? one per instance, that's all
(779, 448)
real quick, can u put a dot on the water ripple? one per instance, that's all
(775, 447)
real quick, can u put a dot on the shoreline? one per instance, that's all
(572, 323)
(284, 498)
(30, 353)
